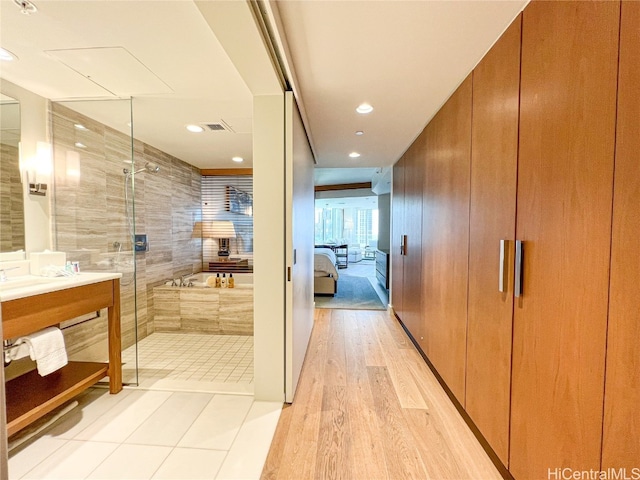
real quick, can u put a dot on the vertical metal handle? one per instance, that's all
(517, 286)
(404, 245)
(501, 273)
(402, 237)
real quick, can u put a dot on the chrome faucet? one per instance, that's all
(3, 275)
(184, 282)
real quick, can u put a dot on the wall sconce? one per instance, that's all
(220, 230)
(37, 168)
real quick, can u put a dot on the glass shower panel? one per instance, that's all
(93, 215)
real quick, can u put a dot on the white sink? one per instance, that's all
(27, 281)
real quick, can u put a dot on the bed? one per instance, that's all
(325, 281)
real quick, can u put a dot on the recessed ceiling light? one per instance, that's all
(354, 154)
(359, 132)
(80, 145)
(6, 55)
(364, 108)
(195, 128)
(79, 126)
(238, 159)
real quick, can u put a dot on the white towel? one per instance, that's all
(47, 348)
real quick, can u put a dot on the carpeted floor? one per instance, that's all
(353, 292)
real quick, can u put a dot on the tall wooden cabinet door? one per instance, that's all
(445, 234)
(397, 233)
(565, 189)
(412, 282)
(621, 443)
(496, 88)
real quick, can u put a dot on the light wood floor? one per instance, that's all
(368, 407)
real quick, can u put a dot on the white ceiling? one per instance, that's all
(403, 57)
(169, 60)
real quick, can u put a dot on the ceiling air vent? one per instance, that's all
(220, 126)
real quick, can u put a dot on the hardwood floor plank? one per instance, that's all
(336, 364)
(372, 351)
(405, 385)
(366, 442)
(400, 338)
(402, 457)
(354, 350)
(274, 458)
(360, 429)
(367, 447)
(334, 443)
(453, 450)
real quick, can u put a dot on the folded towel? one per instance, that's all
(47, 348)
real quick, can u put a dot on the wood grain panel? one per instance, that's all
(565, 184)
(621, 443)
(26, 315)
(397, 230)
(445, 236)
(494, 165)
(412, 272)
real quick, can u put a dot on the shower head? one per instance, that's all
(149, 167)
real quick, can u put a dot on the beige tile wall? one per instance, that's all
(89, 214)
(11, 200)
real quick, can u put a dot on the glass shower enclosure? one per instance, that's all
(94, 215)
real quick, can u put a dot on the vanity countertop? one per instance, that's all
(29, 285)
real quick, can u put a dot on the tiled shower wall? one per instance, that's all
(11, 200)
(89, 218)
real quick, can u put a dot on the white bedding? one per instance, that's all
(324, 263)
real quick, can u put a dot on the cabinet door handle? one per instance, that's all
(404, 245)
(401, 245)
(501, 273)
(517, 287)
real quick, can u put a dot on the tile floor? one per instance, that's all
(192, 362)
(143, 434)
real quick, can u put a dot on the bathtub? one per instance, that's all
(202, 309)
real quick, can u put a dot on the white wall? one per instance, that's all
(269, 273)
(33, 129)
(300, 244)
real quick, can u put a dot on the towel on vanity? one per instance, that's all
(47, 348)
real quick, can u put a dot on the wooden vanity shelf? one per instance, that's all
(30, 396)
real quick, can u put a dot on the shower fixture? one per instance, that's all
(149, 167)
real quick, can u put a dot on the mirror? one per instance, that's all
(11, 196)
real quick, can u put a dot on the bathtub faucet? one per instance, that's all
(186, 282)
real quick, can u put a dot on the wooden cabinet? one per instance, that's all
(564, 202)
(30, 396)
(406, 250)
(621, 446)
(541, 146)
(496, 85)
(445, 237)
